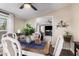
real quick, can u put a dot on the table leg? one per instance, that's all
(74, 49)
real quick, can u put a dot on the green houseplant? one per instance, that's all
(67, 36)
(28, 30)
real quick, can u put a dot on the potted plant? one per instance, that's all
(28, 30)
(67, 36)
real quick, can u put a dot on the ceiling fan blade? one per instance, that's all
(4, 12)
(22, 6)
(33, 7)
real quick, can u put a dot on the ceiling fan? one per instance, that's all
(30, 5)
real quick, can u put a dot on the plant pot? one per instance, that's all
(28, 39)
(67, 38)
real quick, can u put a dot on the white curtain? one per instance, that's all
(10, 23)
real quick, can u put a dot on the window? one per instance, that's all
(3, 22)
(6, 22)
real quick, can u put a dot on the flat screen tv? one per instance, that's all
(48, 30)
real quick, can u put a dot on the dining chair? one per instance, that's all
(58, 46)
(1, 33)
(11, 46)
(37, 37)
(12, 35)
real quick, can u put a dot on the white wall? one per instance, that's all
(18, 23)
(75, 23)
(43, 21)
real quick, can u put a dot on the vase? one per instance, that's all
(28, 39)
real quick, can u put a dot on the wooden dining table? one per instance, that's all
(44, 50)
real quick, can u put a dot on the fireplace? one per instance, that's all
(48, 30)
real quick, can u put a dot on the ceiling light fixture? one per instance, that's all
(27, 6)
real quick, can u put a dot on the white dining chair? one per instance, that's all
(11, 47)
(58, 46)
(12, 35)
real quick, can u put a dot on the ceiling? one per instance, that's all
(26, 13)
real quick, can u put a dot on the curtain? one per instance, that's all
(10, 23)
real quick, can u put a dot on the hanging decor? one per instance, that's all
(62, 24)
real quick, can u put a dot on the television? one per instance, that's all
(48, 30)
